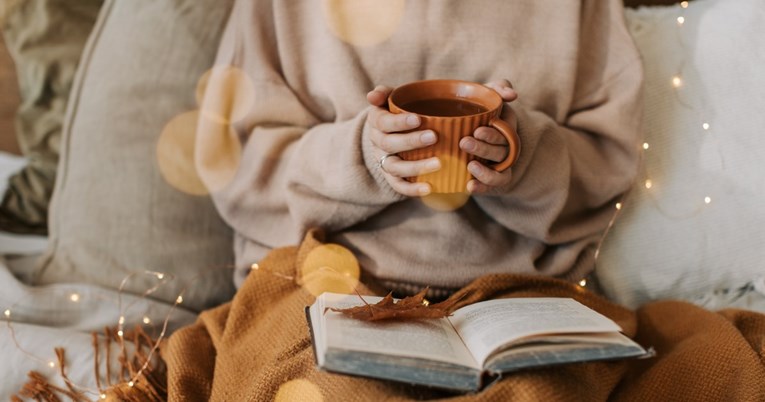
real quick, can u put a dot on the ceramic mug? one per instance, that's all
(453, 109)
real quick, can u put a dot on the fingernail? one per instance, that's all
(468, 145)
(428, 137)
(424, 190)
(433, 165)
(413, 120)
(474, 169)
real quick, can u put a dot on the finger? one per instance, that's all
(394, 143)
(379, 95)
(398, 167)
(407, 188)
(476, 187)
(504, 88)
(490, 135)
(494, 153)
(389, 122)
(489, 176)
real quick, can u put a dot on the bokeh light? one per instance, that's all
(330, 268)
(363, 22)
(175, 154)
(218, 153)
(451, 178)
(299, 390)
(225, 94)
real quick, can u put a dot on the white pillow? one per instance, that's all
(671, 241)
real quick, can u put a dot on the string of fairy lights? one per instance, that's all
(648, 183)
(677, 82)
(75, 297)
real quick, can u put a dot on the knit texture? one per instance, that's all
(307, 161)
(258, 348)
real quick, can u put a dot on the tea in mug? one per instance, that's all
(444, 107)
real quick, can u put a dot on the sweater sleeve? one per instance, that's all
(573, 168)
(298, 170)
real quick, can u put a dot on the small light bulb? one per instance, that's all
(645, 145)
(120, 333)
(705, 126)
(74, 297)
(707, 200)
(179, 300)
(103, 396)
(122, 319)
(618, 206)
(254, 267)
(130, 384)
(684, 4)
(160, 276)
(583, 283)
(677, 82)
(146, 320)
(648, 184)
(7, 313)
(680, 20)
(51, 364)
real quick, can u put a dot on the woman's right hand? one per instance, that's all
(386, 133)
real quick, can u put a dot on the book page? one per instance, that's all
(487, 326)
(432, 339)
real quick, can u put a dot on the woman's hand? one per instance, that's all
(489, 144)
(388, 140)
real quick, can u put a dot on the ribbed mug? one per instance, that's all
(453, 109)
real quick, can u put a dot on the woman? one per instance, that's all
(315, 136)
(316, 155)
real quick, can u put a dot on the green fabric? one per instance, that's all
(45, 39)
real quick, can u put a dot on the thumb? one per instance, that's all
(379, 96)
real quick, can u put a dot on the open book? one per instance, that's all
(477, 342)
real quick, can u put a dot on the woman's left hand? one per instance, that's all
(489, 144)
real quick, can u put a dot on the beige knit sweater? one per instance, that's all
(307, 160)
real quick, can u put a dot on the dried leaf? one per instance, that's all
(408, 308)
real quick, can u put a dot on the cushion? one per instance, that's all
(114, 216)
(693, 224)
(46, 38)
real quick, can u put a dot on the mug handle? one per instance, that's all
(514, 143)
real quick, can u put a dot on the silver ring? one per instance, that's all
(381, 164)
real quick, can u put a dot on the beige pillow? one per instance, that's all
(113, 213)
